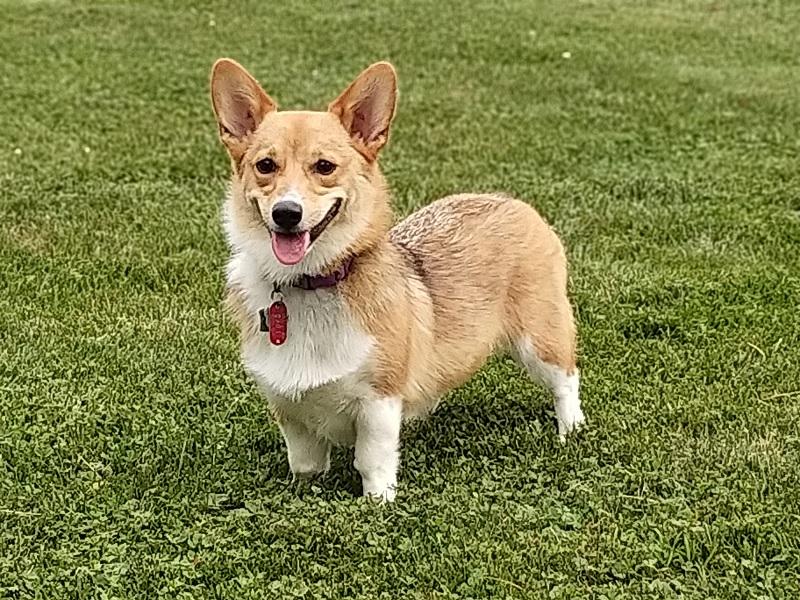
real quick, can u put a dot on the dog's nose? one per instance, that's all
(287, 214)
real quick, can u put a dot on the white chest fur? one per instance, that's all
(317, 374)
(330, 411)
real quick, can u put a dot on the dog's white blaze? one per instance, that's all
(565, 387)
(292, 195)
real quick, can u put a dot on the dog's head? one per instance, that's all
(305, 184)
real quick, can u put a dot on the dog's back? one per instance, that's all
(496, 276)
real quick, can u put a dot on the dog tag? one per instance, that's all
(277, 317)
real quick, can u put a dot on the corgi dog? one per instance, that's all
(350, 325)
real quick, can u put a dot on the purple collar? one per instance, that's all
(314, 282)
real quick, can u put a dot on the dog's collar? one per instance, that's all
(315, 282)
(274, 319)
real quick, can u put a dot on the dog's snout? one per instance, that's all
(287, 214)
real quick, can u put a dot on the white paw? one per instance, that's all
(308, 469)
(381, 491)
(306, 475)
(569, 421)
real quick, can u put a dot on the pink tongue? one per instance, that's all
(290, 248)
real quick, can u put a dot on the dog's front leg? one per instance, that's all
(377, 446)
(309, 454)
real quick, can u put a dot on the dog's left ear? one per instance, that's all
(366, 108)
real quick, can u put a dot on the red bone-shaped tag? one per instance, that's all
(277, 317)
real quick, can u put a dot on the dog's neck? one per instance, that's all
(373, 242)
(330, 279)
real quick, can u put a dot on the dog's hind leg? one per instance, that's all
(542, 335)
(562, 381)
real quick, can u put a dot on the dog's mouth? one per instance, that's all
(291, 247)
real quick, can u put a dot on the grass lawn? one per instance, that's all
(659, 138)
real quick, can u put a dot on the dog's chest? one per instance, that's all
(323, 341)
(323, 345)
(318, 375)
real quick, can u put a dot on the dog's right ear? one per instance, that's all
(239, 104)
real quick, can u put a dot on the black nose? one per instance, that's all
(287, 214)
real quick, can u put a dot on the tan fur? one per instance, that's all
(489, 270)
(441, 291)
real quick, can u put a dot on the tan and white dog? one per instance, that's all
(349, 325)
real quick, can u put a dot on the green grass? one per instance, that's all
(137, 461)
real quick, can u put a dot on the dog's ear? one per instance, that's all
(239, 104)
(366, 108)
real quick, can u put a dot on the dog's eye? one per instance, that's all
(324, 167)
(265, 166)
